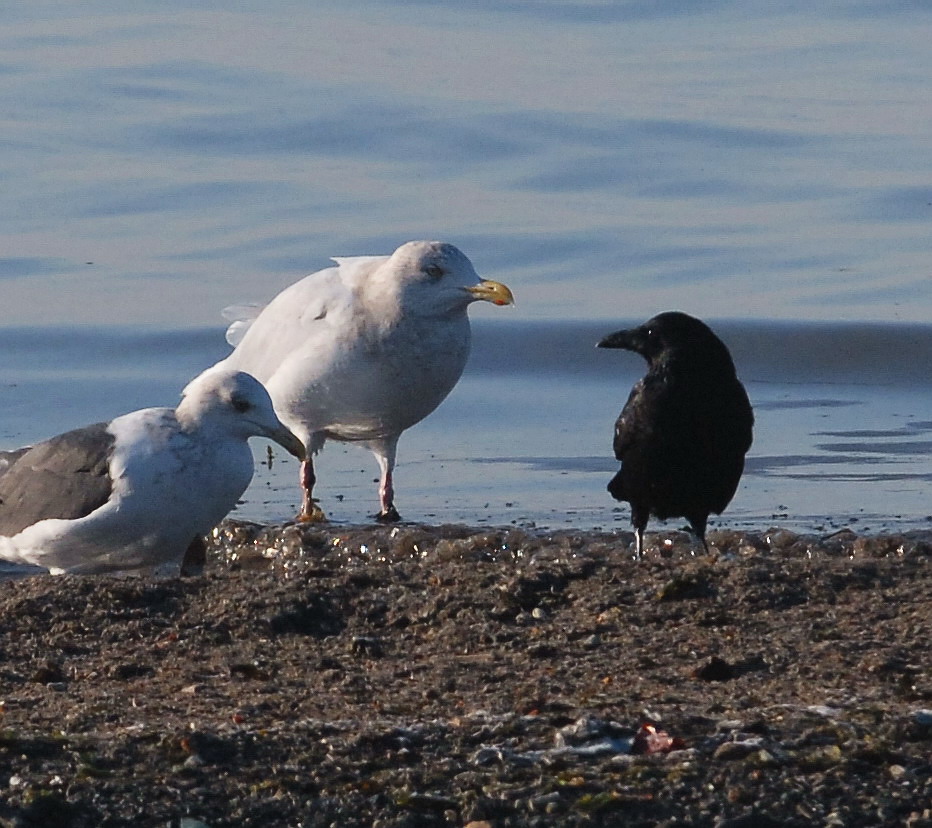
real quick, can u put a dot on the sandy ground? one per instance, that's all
(421, 676)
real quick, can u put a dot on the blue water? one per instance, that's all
(740, 160)
(754, 164)
(843, 432)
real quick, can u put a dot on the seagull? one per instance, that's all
(135, 493)
(682, 436)
(363, 350)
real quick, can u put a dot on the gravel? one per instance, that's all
(452, 676)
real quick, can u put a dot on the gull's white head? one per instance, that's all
(433, 278)
(238, 404)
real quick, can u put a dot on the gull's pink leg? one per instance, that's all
(310, 511)
(386, 458)
(389, 513)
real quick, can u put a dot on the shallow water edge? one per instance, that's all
(292, 547)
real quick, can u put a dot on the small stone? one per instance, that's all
(762, 759)
(366, 645)
(248, 670)
(48, 673)
(781, 539)
(731, 751)
(487, 756)
(751, 820)
(820, 758)
(716, 669)
(584, 729)
(923, 717)
(130, 670)
(544, 803)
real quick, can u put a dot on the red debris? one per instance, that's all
(650, 740)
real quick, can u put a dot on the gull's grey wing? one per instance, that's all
(8, 458)
(65, 477)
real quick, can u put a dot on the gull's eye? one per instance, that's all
(241, 404)
(434, 271)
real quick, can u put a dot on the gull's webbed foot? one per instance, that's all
(389, 515)
(311, 513)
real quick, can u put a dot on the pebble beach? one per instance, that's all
(448, 675)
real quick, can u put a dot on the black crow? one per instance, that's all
(682, 436)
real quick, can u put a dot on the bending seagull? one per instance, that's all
(136, 492)
(361, 351)
(682, 436)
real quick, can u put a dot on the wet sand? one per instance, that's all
(421, 676)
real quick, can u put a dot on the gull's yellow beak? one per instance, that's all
(494, 292)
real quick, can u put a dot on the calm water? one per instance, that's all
(742, 162)
(605, 159)
(843, 434)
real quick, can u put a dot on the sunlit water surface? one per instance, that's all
(767, 163)
(843, 432)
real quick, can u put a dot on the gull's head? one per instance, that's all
(436, 278)
(236, 404)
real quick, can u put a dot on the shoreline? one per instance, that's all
(255, 544)
(237, 543)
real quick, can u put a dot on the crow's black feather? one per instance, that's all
(683, 434)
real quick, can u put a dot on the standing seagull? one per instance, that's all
(361, 351)
(135, 493)
(682, 436)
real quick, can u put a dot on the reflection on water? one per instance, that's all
(161, 164)
(777, 405)
(526, 435)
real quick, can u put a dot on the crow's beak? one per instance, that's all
(619, 339)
